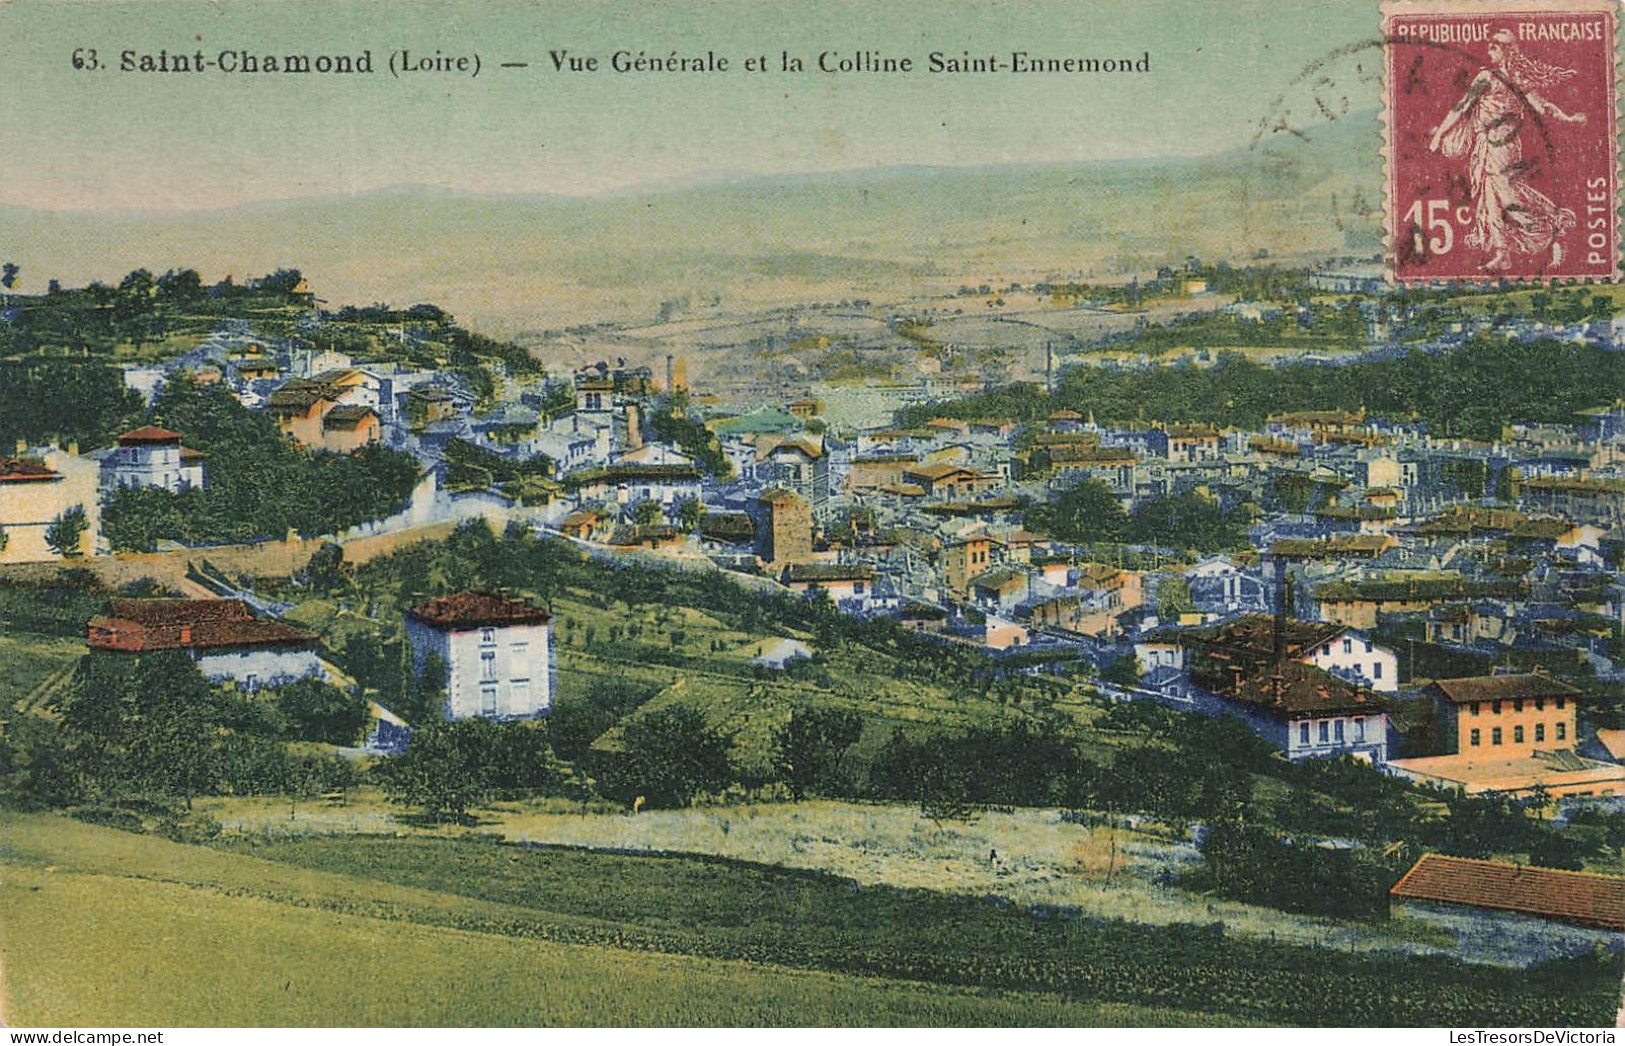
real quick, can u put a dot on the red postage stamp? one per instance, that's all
(1501, 140)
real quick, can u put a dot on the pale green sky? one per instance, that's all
(111, 140)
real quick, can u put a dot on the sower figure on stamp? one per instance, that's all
(1509, 214)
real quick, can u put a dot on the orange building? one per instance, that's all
(963, 560)
(348, 429)
(1511, 734)
(1514, 713)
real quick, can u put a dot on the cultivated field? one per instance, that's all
(180, 935)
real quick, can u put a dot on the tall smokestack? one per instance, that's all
(671, 374)
(1283, 600)
(1049, 367)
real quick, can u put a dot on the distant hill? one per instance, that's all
(513, 263)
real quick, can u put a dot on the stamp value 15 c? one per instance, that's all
(1501, 140)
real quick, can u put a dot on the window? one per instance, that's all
(1562, 731)
(857, 588)
(1517, 735)
(251, 681)
(1368, 646)
(1495, 736)
(1540, 704)
(1540, 732)
(1560, 704)
(1359, 729)
(488, 700)
(1303, 733)
(488, 664)
(1325, 729)
(1337, 731)
(488, 635)
(1473, 738)
(1517, 704)
(1326, 651)
(1348, 646)
(1495, 706)
(1475, 707)
(1376, 670)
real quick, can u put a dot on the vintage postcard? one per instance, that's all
(1101, 514)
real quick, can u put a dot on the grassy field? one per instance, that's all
(418, 930)
(1024, 856)
(181, 935)
(28, 661)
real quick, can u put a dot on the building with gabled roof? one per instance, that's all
(348, 428)
(1579, 898)
(800, 464)
(840, 581)
(1511, 734)
(223, 636)
(1512, 913)
(494, 653)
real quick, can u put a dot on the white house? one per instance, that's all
(495, 652)
(151, 457)
(222, 635)
(1354, 656)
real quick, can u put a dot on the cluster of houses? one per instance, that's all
(1360, 526)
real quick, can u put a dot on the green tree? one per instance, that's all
(441, 771)
(811, 745)
(1174, 597)
(325, 571)
(647, 513)
(670, 758)
(320, 711)
(1125, 671)
(429, 698)
(1083, 513)
(689, 513)
(64, 534)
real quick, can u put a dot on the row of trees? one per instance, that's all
(150, 726)
(1470, 392)
(1089, 513)
(140, 309)
(667, 758)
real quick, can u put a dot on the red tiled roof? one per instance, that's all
(142, 625)
(1303, 690)
(1256, 633)
(1521, 686)
(1571, 897)
(473, 609)
(148, 434)
(25, 470)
